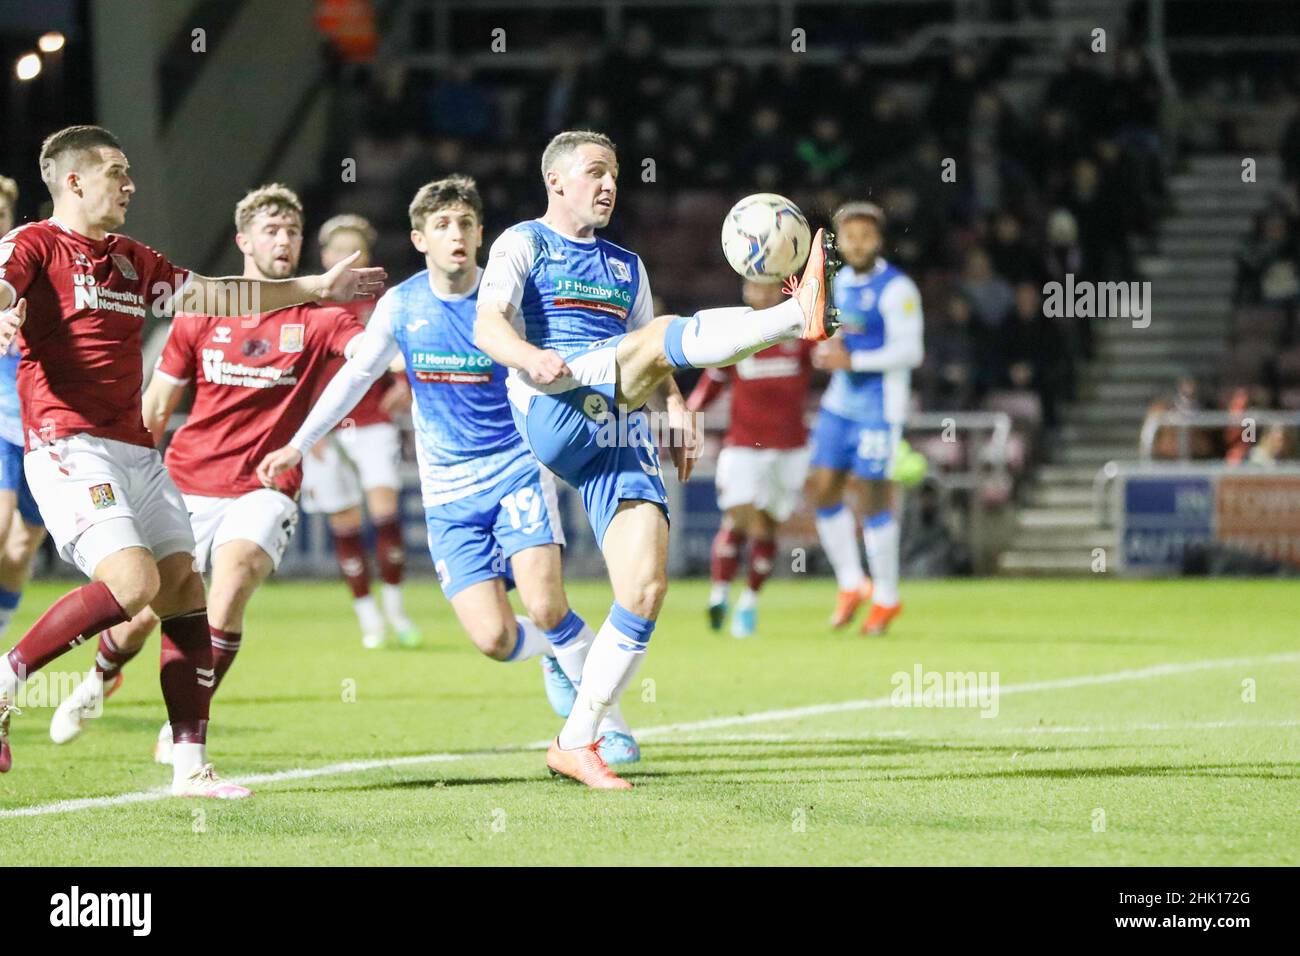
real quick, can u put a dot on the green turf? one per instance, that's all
(1178, 767)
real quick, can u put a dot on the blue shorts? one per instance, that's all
(866, 448)
(578, 435)
(13, 478)
(473, 539)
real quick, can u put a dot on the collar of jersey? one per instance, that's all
(455, 297)
(78, 236)
(573, 240)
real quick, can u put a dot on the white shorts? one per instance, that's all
(265, 517)
(98, 496)
(348, 462)
(770, 479)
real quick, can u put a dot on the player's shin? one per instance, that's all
(881, 534)
(111, 657)
(530, 641)
(718, 337)
(187, 679)
(570, 643)
(615, 655)
(837, 531)
(70, 621)
(724, 562)
(225, 645)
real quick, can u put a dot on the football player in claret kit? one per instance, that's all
(855, 439)
(254, 379)
(490, 509)
(21, 530)
(359, 462)
(763, 462)
(571, 315)
(80, 294)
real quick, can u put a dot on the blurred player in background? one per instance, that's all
(361, 459)
(21, 530)
(858, 430)
(571, 315)
(487, 502)
(254, 379)
(763, 462)
(79, 293)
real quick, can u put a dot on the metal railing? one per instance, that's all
(1184, 421)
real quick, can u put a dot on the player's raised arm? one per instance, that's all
(370, 355)
(232, 295)
(900, 307)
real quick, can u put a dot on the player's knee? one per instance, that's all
(648, 596)
(495, 639)
(548, 611)
(134, 584)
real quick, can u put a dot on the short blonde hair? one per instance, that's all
(9, 191)
(564, 143)
(273, 198)
(348, 222)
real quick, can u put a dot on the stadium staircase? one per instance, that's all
(1191, 275)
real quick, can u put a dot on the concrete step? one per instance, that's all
(1096, 454)
(1039, 539)
(1059, 496)
(1235, 225)
(1109, 433)
(1245, 199)
(1191, 262)
(1046, 563)
(1130, 412)
(1149, 370)
(1170, 348)
(1215, 164)
(1066, 474)
(1062, 519)
(1168, 323)
(1163, 286)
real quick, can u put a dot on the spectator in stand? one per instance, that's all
(1036, 353)
(1082, 90)
(459, 106)
(1013, 257)
(1268, 264)
(767, 159)
(991, 295)
(957, 359)
(954, 94)
(823, 154)
(1271, 448)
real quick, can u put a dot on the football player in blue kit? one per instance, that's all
(858, 429)
(21, 528)
(491, 511)
(571, 315)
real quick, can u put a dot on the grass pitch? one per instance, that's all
(1137, 724)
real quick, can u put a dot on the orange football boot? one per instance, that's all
(812, 289)
(848, 602)
(878, 618)
(585, 765)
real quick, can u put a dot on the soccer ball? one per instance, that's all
(765, 237)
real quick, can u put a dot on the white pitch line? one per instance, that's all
(738, 720)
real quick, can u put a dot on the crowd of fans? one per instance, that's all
(1067, 182)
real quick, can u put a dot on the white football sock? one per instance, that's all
(718, 337)
(186, 758)
(372, 622)
(572, 655)
(719, 592)
(839, 537)
(530, 642)
(880, 532)
(615, 655)
(394, 610)
(6, 615)
(614, 723)
(748, 600)
(8, 679)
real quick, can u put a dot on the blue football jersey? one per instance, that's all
(11, 424)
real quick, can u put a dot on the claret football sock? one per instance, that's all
(390, 551)
(839, 537)
(110, 659)
(350, 552)
(762, 558)
(186, 675)
(570, 643)
(70, 621)
(724, 556)
(225, 645)
(718, 337)
(615, 655)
